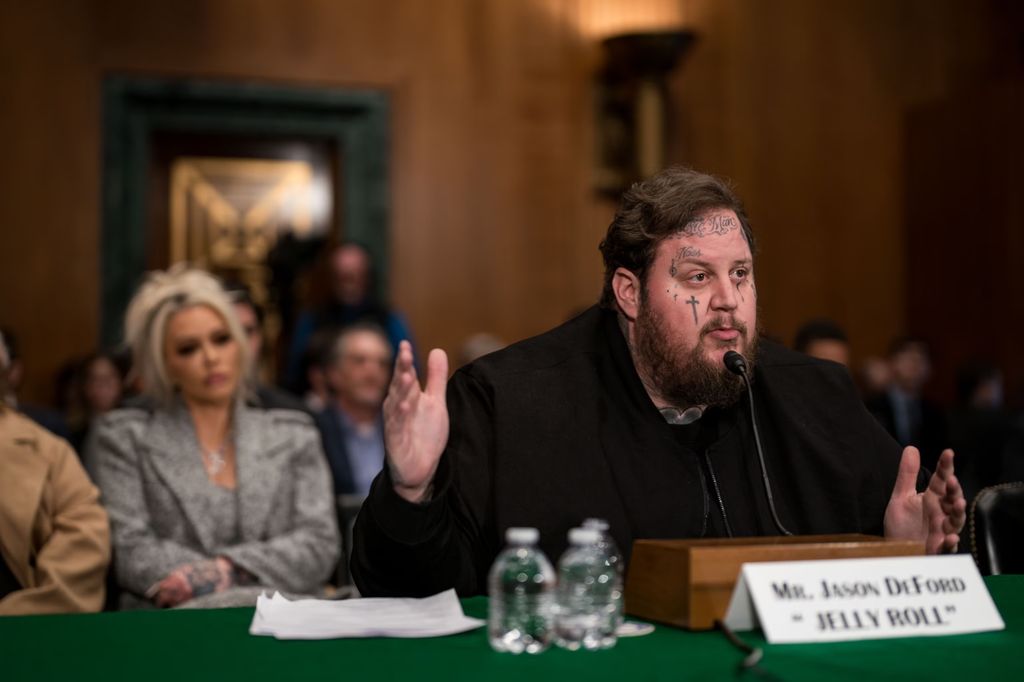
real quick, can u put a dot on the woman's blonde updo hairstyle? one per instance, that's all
(161, 295)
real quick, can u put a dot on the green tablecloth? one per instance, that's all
(215, 645)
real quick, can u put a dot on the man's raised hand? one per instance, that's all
(935, 516)
(415, 423)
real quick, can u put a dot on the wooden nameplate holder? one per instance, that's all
(688, 583)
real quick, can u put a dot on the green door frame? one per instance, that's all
(136, 108)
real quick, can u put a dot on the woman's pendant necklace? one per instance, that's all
(215, 462)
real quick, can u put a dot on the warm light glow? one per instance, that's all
(602, 18)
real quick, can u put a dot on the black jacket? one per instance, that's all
(336, 450)
(930, 435)
(558, 428)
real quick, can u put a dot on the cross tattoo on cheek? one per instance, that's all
(693, 302)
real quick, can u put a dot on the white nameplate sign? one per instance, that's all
(847, 599)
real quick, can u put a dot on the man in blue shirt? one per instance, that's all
(358, 373)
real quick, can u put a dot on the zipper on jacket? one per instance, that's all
(718, 494)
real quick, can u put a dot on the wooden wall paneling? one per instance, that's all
(964, 217)
(493, 226)
(802, 104)
(48, 187)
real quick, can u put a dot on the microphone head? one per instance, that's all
(735, 363)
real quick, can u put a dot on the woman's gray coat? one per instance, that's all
(150, 471)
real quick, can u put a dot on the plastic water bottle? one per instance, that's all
(589, 594)
(521, 588)
(606, 543)
(610, 551)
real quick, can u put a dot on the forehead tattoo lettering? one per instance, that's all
(707, 225)
(685, 252)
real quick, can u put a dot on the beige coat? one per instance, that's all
(53, 532)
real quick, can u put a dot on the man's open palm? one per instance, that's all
(415, 423)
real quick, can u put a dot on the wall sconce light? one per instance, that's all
(632, 105)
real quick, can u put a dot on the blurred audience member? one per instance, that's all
(49, 419)
(102, 382)
(315, 361)
(903, 410)
(357, 375)
(479, 345)
(979, 427)
(208, 497)
(98, 389)
(54, 538)
(250, 316)
(351, 299)
(823, 339)
(875, 377)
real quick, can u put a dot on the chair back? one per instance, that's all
(997, 529)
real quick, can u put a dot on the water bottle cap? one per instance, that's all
(598, 524)
(584, 536)
(522, 536)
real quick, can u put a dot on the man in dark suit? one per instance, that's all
(357, 372)
(628, 413)
(903, 410)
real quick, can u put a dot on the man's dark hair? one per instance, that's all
(239, 292)
(818, 330)
(656, 209)
(904, 343)
(970, 376)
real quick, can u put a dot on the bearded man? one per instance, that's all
(627, 413)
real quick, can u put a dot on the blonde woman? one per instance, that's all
(205, 495)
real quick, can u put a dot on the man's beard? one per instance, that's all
(686, 378)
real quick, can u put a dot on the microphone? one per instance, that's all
(735, 363)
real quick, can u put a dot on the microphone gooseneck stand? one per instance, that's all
(735, 363)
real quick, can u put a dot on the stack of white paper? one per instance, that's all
(320, 619)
